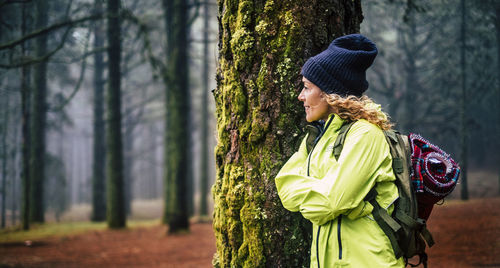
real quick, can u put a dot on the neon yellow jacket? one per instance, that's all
(330, 194)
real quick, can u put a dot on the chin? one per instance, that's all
(309, 119)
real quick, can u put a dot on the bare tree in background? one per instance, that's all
(39, 116)
(99, 152)
(116, 217)
(205, 138)
(4, 155)
(177, 148)
(26, 119)
(463, 106)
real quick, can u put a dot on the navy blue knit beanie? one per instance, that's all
(341, 69)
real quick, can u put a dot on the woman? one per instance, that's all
(330, 192)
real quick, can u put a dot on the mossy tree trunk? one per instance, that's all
(177, 160)
(39, 118)
(115, 189)
(99, 153)
(262, 46)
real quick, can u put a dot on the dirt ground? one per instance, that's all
(137, 247)
(467, 234)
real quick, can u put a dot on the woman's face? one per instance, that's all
(314, 102)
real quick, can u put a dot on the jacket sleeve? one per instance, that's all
(364, 157)
(289, 195)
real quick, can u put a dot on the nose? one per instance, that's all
(302, 97)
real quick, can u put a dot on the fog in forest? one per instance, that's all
(417, 77)
(70, 106)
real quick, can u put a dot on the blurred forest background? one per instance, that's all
(71, 111)
(64, 95)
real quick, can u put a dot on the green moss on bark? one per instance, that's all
(262, 46)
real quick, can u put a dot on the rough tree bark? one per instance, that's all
(262, 46)
(99, 152)
(39, 118)
(115, 189)
(177, 116)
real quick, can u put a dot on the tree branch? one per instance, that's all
(157, 65)
(82, 57)
(29, 61)
(51, 28)
(196, 13)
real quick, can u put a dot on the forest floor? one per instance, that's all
(467, 234)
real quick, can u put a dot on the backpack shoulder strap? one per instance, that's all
(389, 226)
(399, 147)
(339, 142)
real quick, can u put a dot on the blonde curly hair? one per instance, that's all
(354, 108)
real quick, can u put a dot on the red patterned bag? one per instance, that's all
(434, 175)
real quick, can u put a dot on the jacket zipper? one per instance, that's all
(317, 246)
(308, 165)
(322, 131)
(339, 238)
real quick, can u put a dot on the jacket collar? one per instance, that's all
(335, 122)
(318, 128)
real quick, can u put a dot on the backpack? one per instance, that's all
(424, 175)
